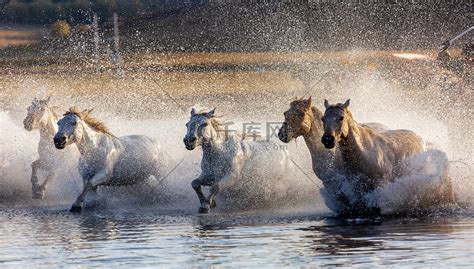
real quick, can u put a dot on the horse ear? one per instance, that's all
(35, 100)
(193, 111)
(47, 99)
(75, 110)
(326, 103)
(210, 114)
(88, 111)
(347, 103)
(309, 102)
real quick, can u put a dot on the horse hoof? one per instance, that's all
(38, 194)
(203, 210)
(213, 204)
(75, 209)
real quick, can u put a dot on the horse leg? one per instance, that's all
(98, 179)
(213, 194)
(42, 187)
(35, 186)
(77, 206)
(448, 190)
(197, 186)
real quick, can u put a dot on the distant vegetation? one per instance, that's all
(61, 29)
(80, 11)
(228, 25)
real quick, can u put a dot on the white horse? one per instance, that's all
(226, 156)
(43, 117)
(105, 159)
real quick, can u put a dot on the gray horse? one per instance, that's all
(226, 156)
(44, 117)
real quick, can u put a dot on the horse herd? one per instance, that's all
(368, 156)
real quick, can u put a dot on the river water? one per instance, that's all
(35, 237)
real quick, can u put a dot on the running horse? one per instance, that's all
(107, 160)
(305, 120)
(43, 117)
(374, 157)
(226, 157)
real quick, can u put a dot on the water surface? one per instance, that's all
(35, 237)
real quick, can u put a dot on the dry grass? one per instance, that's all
(241, 58)
(17, 37)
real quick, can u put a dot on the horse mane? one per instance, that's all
(86, 116)
(54, 110)
(216, 124)
(44, 105)
(316, 112)
(296, 102)
(213, 119)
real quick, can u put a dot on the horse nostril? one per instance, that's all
(189, 140)
(281, 134)
(328, 139)
(59, 140)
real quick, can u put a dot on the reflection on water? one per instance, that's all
(36, 238)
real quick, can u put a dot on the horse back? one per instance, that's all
(137, 160)
(404, 143)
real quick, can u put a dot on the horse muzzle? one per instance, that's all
(190, 143)
(328, 141)
(283, 135)
(28, 125)
(60, 142)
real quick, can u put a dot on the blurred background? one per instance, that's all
(223, 25)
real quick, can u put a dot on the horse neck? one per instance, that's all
(351, 145)
(214, 146)
(89, 143)
(48, 125)
(322, 158)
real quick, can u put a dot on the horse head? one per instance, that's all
(201, 128)
(298, 120)
(69, 130)
(336, 121)
(36, 114)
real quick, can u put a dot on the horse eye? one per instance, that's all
(204, 124)
(341, 118)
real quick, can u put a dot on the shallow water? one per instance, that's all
(34, 237)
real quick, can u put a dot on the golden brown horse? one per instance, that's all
(303, 119)
(375, 156)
